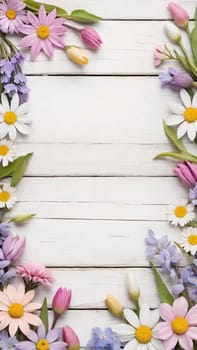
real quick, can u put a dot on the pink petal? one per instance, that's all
(180, 307)
(47, 47)
(4, 299)
(28, 40)
(28, 297)
(33, 19)
(13, 326)
(3, 307)
(21, 292)
(58, 30)
(56, 41)
(163, 330)
(170, 342)
(32, 319)
(191, 315)
(32, 307)
(23, 325)
(11, 293)
(36, 47)
(51, 17)
(192, 332)
(166, 312)
(185, 342)
(3, 315)
(42, 15)
(27, 29)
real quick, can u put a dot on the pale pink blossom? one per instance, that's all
(43, 32)
(16, 309)
(179, 14)
(36, 273)
(179, 326)
(158, 55)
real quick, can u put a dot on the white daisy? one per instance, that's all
(189, 240)
(7, 153)
(13, 117)
(184, 115)
(180, 213)
(139, 334)
(7, 196)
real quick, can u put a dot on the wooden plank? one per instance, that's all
(125, 9)
(90, 110)
(127, 50)
(90, 242)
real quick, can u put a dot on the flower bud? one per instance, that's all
(179, 14)
(70, 338)
(159, 55)
(173, 33)
(132, 286)
(61, 300)
(76, 55)
(91, 38)
(187, 173)
(114, 305)
(13, 247)
(19, 219)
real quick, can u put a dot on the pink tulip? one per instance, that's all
(13, 247)
(91, 38)
(187, 173)
(61, 300)
(158, 55)
(70, 338)
(179, 14)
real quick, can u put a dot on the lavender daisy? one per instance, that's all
(41, 340)
(12, 15)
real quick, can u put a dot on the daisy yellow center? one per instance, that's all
(143, 334)
(180, 211)
(4, 150)
(43, 32)
(179, 325)
(11, 14)
(192, 239)
(42, 344)
(16, 310)
(190, 114)
(4, 196)
(10, 117)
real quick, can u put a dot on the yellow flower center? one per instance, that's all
(43, 32)
(4, 196)
(180, 212)
(179, 325)
(11, 14)
(10, 117)
(192, 239)
(190, 114)
(16, 310)
(42, 344)
(143, 334)
(4, 150)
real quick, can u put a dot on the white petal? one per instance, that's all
(182, 130)
(185, 97)
(194, 100)
(154, 318)
(3, 130)
(24, 129)
(177, 108)
(14, 103)
(5, 102)
(124, 331)
(131, 317)
(12, 132)
(191, 131)
(23, 109)
(144, 314)
(174, 119)
(132, 345)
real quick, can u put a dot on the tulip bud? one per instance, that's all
(13, 247)
(70, 338)
(76, 55)
(114, 305)
(132, 286)
(173, 33)
(91, 38)
(61, 300)
(187, 173)
(19, 219)
(179, 14)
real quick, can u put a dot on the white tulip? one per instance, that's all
(132, 286)
(172, 32)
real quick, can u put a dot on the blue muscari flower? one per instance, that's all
(7, 342)
(4, 231)
(103, 340)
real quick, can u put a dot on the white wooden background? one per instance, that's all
(92, 180)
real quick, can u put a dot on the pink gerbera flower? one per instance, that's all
(43, 32)
(36, 274)
(12, 16)
(180, 325)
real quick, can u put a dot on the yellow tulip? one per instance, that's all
(114, 305)
(76, 55)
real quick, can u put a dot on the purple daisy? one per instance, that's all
(41, 340)
(43, 32)
(12, 16)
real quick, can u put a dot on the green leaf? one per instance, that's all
(164, 294)
(44, 314)
(182, 61)
(178, 155)
(196, 15)
(193, 41)
(20, 169)
(82, 16)
(172, 135)
(34, 6)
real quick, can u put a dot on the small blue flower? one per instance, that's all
(7, 342)
(103, 340)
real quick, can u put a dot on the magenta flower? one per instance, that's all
(61, 300)
(179, 14)
(35, 273)
(179, 326)
(43, 32)
(187, 173)
(13, 247)
(91, 38)
(12, 16)
(70, 338)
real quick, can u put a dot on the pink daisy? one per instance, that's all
(16, 309)
(12, 16)
(43, 32)
(36, 273)
(179, 326)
